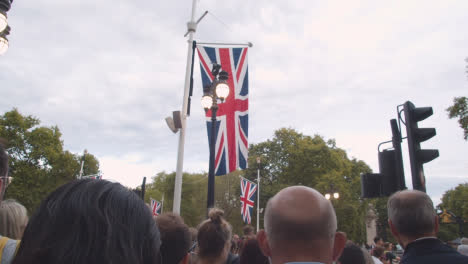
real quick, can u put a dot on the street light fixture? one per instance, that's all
(332, 193)
(217, 90)
(3, 40)
(3, 21)
(4, 28)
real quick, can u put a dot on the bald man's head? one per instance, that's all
(298, 215)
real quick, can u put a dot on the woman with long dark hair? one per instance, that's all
(91, 221)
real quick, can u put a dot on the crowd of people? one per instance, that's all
(97, 221)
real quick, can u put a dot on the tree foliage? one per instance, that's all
(459, 110)
(38, 162)
(455, 201)
(289, 158)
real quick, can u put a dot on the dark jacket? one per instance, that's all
(431, 251)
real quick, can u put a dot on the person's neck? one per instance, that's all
(405, 240)
(211, 261)
(298, 257)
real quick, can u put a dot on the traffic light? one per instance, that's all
(371, 185)
(391, 177)
(415, 136)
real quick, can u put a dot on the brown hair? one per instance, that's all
(378, 252)
(251, 253)
(175, 237)
(213, 234)
(248, 230)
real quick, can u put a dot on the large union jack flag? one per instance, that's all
(232, 118)
(248, 194)
(156, 207)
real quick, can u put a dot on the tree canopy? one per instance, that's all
(455, 201)
(38, 162)
(459, 110)
(289, 158)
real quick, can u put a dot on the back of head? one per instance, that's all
(412, 213)
(464, 241)
(248, 231)
(378, 252)
(352, 254)
(377, 240)
(214, 234)
(175, 237)
(299, 218)
(13, 219)
(251, 253)
(91, 221)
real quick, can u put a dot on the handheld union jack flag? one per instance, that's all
(232, 118)
(156, 207)
(248, 193)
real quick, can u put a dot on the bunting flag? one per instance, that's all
(247, 198)
(156, 207)
(231, 150)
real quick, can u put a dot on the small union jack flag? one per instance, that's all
(156, 207)
(232, 117)
(248, 193)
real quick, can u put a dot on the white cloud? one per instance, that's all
(109, 72)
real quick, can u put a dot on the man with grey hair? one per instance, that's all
(414, 224)
(300, 226)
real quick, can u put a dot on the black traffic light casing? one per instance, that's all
(371, 185)
(391, 177)
(415, 136)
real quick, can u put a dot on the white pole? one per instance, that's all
(258, 194)
(180, 154)
(82, 163)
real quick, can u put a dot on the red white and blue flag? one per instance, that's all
(248, 194)
(232, 117)
(156, 207)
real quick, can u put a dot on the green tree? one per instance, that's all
(291, 158)
(456, 201)
(459, 110)
(38, 162)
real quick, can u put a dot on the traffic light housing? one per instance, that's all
(415, 136)
(391, 177)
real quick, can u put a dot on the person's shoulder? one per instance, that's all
(438, 253)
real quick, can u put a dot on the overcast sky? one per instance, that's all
(108, 72)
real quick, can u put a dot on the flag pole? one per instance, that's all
(258, 194)
(162, 204)
(191, 26)
(82, 163)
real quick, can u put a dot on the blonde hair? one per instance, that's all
(13, 219)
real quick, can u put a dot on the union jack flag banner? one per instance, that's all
(156, 207)
(232, 117)
(248, 193)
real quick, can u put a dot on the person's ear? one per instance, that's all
(436, 225)
(338, 245)
(186, 259)
(393, 229)
(263, 243)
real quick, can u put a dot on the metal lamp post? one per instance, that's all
(218, 90)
